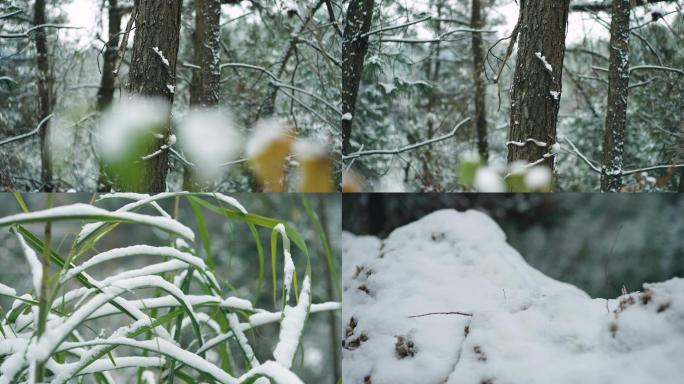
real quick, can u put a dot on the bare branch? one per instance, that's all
(442, 313)
(406, 148)
(28, 32)
(646, 67)
(27, 134)
(438, 39)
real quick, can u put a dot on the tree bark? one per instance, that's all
(157, 30)
(105, 95)
(45, 97)
(480, 119)
(535, 96)
(618, 89)
(354, 48)
(206, 91)
(205, 86)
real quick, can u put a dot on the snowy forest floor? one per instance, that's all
(447, 300)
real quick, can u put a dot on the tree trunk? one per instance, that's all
(45, 82)
(207, 53)
(618, 88)
(535, 96)
(205, 90)
(157, 31)
(354, 48)
(480, 119)
(429, 178)
(105, 95)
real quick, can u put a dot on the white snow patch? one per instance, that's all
(292, 325)
(7, 291)
(488, 181)
(538, 178)
(209, 138)
(525, 327)
(542, 58)
(34, 264)
(127, 123)
(88, 212)
(161, 56)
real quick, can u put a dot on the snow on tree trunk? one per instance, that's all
(105, 94)
(354, 48)
(205, 87)
(480, 119)
(618, 88)
(535, 96)
(152, 73)
(45, 101)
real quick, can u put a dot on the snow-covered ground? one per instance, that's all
(489, 317)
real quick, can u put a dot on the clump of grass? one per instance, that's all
(187, 328)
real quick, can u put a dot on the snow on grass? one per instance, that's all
(7, 291)
(135, 250)
(57, 333)
(292, 326)
(234, 324)
(34, 264)
(143, 199)
(274, 371)
(231, 303)
(88, 212)
(288, 268)
(486, 316)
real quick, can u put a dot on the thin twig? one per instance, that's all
(28, 32)
(442, 313)
(406, 148)
(27, 134)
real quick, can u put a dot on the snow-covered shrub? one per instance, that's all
(178, 321)
(446, 300)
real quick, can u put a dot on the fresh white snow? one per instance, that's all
(163, 59)
(506, 321)
(546, 64)
(292, 326)
(89, 212)
(135, 250)
(34, 264)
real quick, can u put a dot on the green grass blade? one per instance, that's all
(204, 233)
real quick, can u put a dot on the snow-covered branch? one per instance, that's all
(26, 135)
(407, 148)
(27, 33)
(645, 67)
(437, 39)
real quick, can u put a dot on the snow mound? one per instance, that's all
(447, 300)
